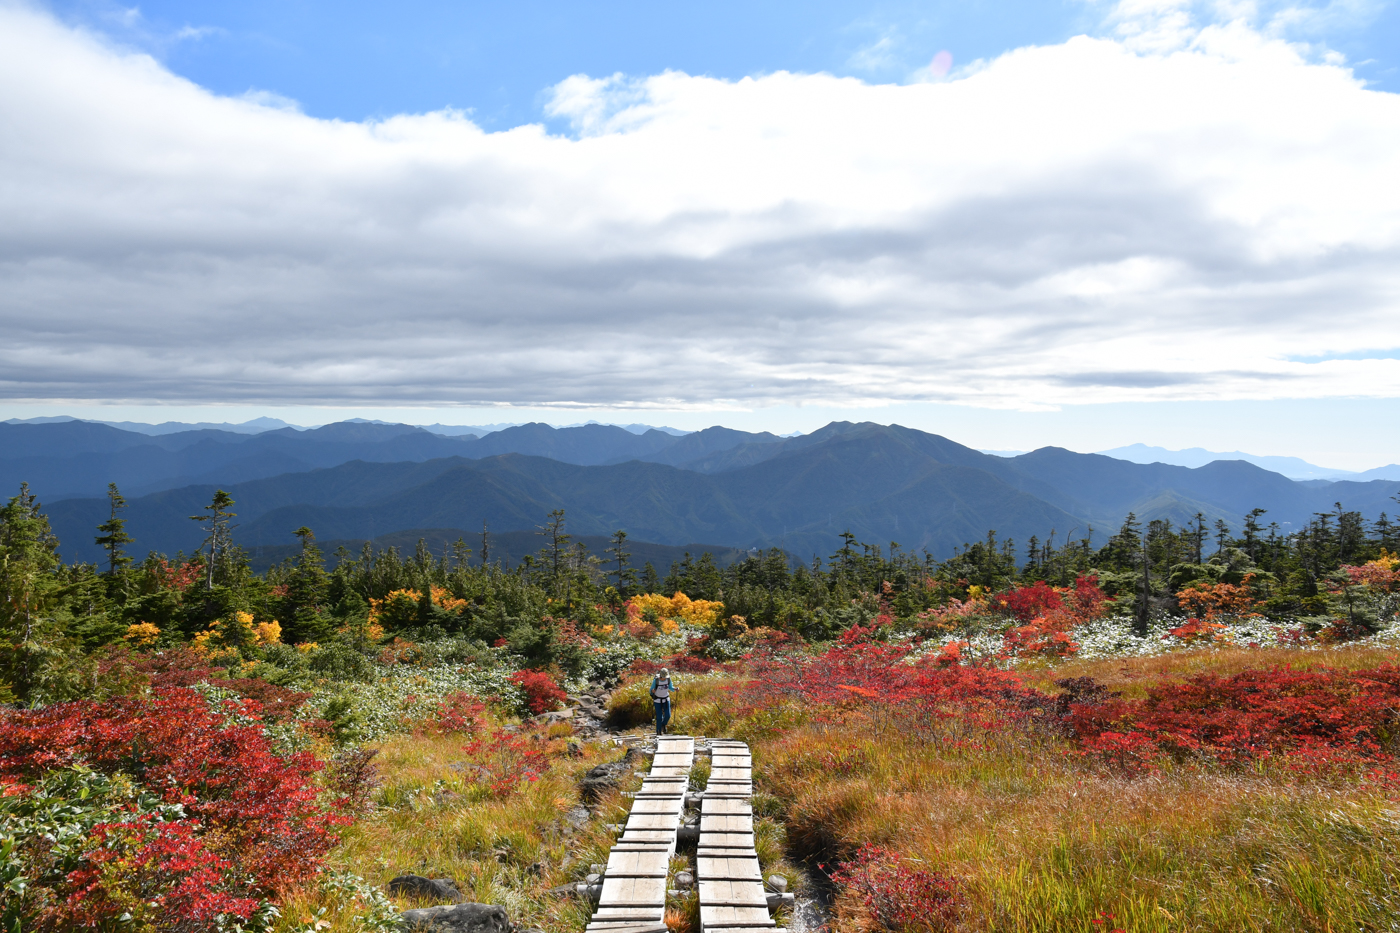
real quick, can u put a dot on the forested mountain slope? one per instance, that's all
(883, 483)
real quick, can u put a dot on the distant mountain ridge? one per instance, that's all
(1291, 467)
(885, 483)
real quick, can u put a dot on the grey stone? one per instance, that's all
(462, 918)
(427, 889)
(684, 879)
(778, 883)
(577, 816)
(605, 777)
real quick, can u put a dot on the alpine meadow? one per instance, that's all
(864, 467)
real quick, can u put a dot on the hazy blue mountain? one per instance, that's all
(882, 491)
(1292, 467)
(63, 459)
(701, 444)
(1388, 472)
(586, 445)
(883, 483)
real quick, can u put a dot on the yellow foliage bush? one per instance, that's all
(401, 604)
(267, 633)
(700, 613)
(142, 633)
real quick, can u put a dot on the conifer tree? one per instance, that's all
(28, 561)
(220, 532)
(114, 532)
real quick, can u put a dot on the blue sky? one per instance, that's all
(358, 60)
(1077, 223)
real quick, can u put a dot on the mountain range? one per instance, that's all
(1292, 467)
(734, 489)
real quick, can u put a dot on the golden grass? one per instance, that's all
(1132, 675)
(433, 821)
(1043, 839)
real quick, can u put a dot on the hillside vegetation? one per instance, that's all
(1182, 728)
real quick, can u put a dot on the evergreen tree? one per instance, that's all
(307, 585)
(624, 577)
(556, 546)
(219, 538)
(28, 590)
(114, 532)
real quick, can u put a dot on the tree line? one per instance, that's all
(56, 616)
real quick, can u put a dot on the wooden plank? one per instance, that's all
(719, 916)
(633, 892)
(652, 864)
(727, 893)
(605, 914)
(652, 820)
(728, 806)
(650, 835)
(672, 772)
(657, 805)
(734, 868)
(725, 823)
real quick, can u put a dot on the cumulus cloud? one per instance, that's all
(1168, 212)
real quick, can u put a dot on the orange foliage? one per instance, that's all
(1209, 601)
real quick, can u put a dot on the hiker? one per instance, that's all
(661, 699)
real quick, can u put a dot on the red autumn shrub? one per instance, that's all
(1030, 602)
(182, 666)
(542, 694)
(1193, 631)
(1043, 637)
(878, 673)
(456, 712)
(1321, 716)
(1086, 601)
(248, 805)
(503, 759)
(169, 575)
(149, 873)
(897, 895)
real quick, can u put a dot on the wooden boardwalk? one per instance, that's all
(634, 885)
(732, 898)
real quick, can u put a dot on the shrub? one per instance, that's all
(1319, 717)
(542, 694)
(254, 809)
(341, 662)
(895, 895)
(81, 849)
(353, 777)
(456, 712)
(1030, 602)
(503, 759)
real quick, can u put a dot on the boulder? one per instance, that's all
(605, 777)
(462, 918)
(426, 889)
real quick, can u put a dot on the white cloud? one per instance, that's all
(1178, 217)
